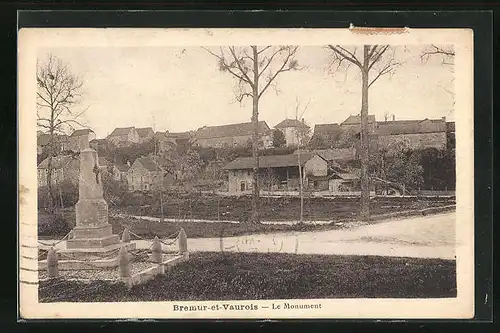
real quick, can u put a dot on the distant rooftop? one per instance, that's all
(121, 131)
(271, 161)
(291, 123)
(356, 120)
(231, 130)
(83, 131)
(395, 127)
(145, 131)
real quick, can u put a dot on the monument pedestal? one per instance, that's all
(92, 240)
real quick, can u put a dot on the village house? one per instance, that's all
(353, 124)
(66, 168)
(79, 138)
(146, 175)
(337, 154)
(164, 143)
(336, 179)
(183, 140)
(61, 142)
(281, 173)
(326, 135)
(98, 144)
(414, 134)
(293, 129)
(145, 133)
(124, 136)
(120, 172)
(233, 135)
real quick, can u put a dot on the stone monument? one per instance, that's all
(92, 235)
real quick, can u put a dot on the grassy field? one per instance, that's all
(150, 229)
(210, 207)
(245, 276)
(272, 209)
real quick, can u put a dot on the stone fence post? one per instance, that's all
(156, 255)
(126, 236)
(182, 241)
(52, 265)
(124, 263)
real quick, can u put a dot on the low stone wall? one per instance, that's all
(150, 273)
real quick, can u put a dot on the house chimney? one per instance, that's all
(444, 119)
(393, 117)
(302, 120)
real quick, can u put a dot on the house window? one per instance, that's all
(248, 172)
(243, 186)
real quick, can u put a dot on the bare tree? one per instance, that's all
(255, 69)
(59, 93)
(373, 61)
(447, 53)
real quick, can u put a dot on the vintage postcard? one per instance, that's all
(246, 173)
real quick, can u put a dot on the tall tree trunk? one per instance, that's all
(255, 139)
(301, 187)
(50, 186)
(365, 181)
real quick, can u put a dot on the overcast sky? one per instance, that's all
(181, 89)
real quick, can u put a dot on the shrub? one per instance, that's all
(66, 195)
(53, 224)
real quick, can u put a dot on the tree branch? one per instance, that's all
(225, 66)
(377, 57)
(343, 53)
(269, 61)
(43, 98)
(264, 49)
(238, 63)
(436, 50)
(282, 69)
(388, 68)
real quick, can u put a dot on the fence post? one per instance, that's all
(126, 236)
(124, 263)
(156, 255)
(52, 265)
(182, 241)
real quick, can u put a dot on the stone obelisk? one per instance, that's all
(92, 231)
